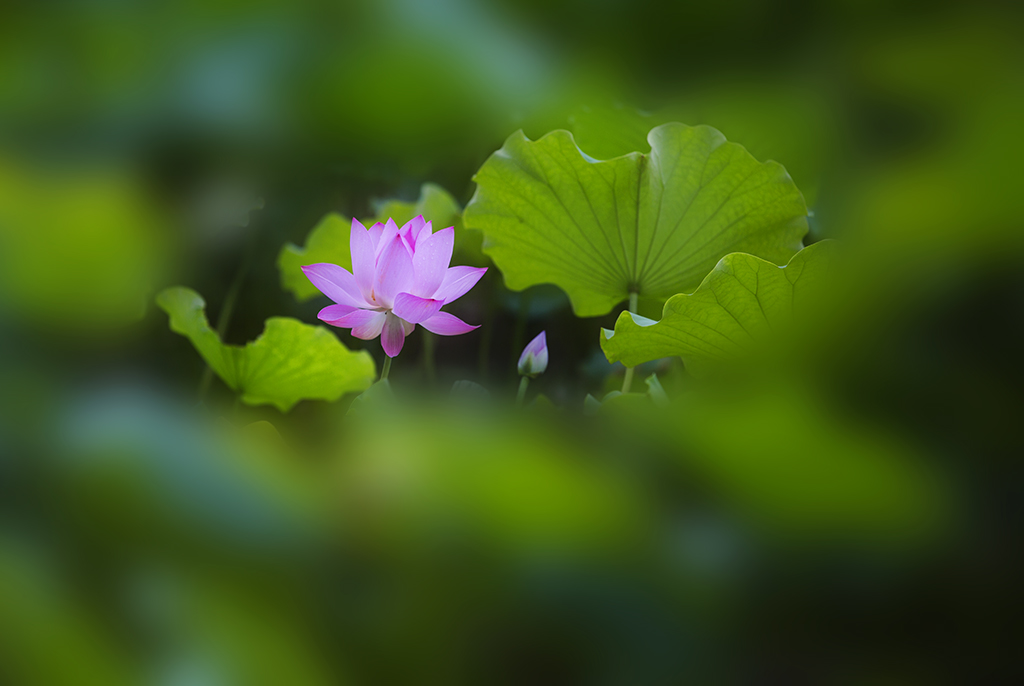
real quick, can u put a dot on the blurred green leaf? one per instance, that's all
(517, 486)
(654, 224)
(782, 118)
(655, 390)
(289, 362)
(745, 300)
(379, 397)
(781, 456)
(617, 401)
(435, 204)
(329, 240)
(48, 636)
(637, 401)
(775, 452)
(253, 636)
(79, 248)
(543, 403)
(470, 392)
(607, 132)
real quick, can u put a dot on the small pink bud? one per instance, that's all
(534, 359)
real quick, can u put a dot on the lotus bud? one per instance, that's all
(534, 359)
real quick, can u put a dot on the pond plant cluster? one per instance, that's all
(382, 343)
(693, 231)
(694, 224)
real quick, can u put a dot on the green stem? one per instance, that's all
(627, 380)
(387, 368)
(523, 383)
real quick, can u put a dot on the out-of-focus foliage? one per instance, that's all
(379, 397)
(609, 132)
(840, 509)
(790, 466)
(79, 248)
(39, 617)
(793, 466)
(652, 224)
(794, 124)
(617, 401)
(329, 239)
(533, 493)
(289, 362)
(743, 303)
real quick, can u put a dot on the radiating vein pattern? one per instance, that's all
(652, 223)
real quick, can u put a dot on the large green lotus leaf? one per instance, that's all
(653, 223)
(743, 301)
(289, 362)
(329, 240)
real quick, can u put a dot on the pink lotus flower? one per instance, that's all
(400, 278)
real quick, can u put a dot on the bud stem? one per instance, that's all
(387, 368)
(523, 383)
